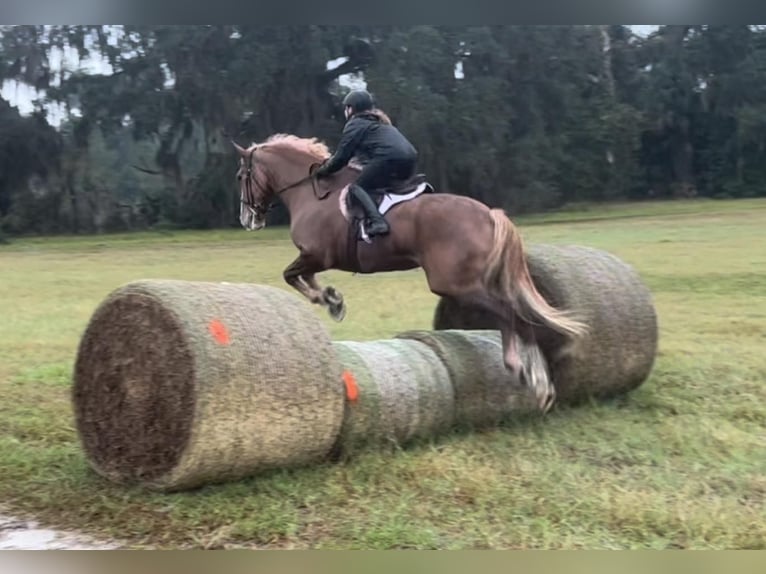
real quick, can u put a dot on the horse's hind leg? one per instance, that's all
(521, 353)
(506, 320)
(511, 356)
(534, 365)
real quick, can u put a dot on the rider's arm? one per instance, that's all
(352, 135)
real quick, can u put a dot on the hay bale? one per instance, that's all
(178, 384)
(618, 353)
(423, 383)
(400, 391)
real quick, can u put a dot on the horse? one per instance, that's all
(468, 251)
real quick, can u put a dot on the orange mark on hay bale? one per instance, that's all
(352, 389)
(219, 331)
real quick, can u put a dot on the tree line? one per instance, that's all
(527, 118)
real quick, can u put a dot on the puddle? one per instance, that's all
(17, 534)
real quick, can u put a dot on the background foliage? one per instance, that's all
(528, 118)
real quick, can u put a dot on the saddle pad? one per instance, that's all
(389, 199)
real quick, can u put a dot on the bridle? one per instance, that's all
(250, 182)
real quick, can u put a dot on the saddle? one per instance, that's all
(384, 198)
(400, 187)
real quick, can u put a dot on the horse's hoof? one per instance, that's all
(332, 297)
(547, 403)
(337, 311)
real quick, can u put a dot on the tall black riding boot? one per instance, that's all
(378, 225)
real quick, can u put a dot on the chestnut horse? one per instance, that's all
(468, 251)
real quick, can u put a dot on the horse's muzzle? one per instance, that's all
(250, 219)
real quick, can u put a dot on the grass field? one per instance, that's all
(679, 463)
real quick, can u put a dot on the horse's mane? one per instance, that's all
(309, 146)
(312, 147)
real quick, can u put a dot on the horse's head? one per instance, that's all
(276, 167)
(255, 194)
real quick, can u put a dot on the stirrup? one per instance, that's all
(363, 233)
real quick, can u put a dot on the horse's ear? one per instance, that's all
(242, 151)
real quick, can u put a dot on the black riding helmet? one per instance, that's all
(359, 100)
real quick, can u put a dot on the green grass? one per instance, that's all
(679, 463)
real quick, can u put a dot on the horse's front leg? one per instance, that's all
(300, 275)
(333, 298)
(294, 277)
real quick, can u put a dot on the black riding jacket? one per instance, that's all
(368, 138)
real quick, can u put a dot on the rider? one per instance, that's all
(385, 154)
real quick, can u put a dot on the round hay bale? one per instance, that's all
(485, 391)
(178, 384)
(619, 351)
(400, 390)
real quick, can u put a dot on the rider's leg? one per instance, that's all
(373, 176)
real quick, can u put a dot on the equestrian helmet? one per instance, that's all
(359, 100)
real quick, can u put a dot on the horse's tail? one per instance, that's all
(507, 276)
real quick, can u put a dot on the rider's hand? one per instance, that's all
(321, 171)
